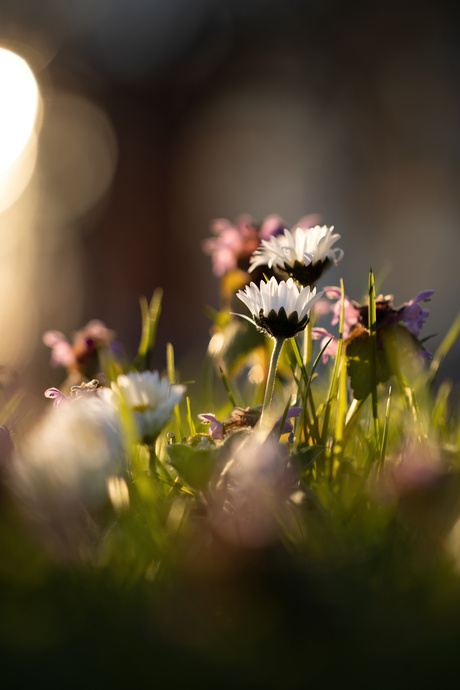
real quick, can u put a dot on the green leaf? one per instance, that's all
(307, 455)
(194, 466)
(358, 353)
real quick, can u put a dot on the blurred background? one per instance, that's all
(126, 126)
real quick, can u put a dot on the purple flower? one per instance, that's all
(234, 243)
(216, 430)
(287, 427)
(412, 315)
(58, 397)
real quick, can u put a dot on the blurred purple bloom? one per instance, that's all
(308, 221)
(326, 337)
(78, 354)
(233, 243)
(62, 352)
(272, 225)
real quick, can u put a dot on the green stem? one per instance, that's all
(308, 347)
(270, 385)
(372, 325)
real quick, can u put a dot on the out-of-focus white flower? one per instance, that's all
(151, 398)
(70, 454)
(303, 254)
(60, 473)
(279, 309)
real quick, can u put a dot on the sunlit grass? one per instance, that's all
(253, 549)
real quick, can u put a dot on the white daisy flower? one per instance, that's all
(303, 255)
(279, 309)
(151, 399)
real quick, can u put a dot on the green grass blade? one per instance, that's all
(452, 335)
(307, 396)
(231, 397)
(372, 316)
(385, 432)
(335, 372)
(189, 418)
(170, 366)
(150, 317)
(341, 411)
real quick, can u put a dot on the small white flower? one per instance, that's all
(151, 398)
(303, 255)
(279, 309)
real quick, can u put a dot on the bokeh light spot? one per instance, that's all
(18, 106)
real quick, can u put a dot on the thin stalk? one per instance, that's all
(150, 316)
(314, 426)
(372, 324)
(385, 432)
(443, 349)
(335, 372)
(189, 418)
(308, 395)
(270, 385)
(231, 397)
(338, 446)
(308, 346)
(172, 379)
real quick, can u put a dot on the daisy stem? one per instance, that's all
(270, 385)
(307, 344)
